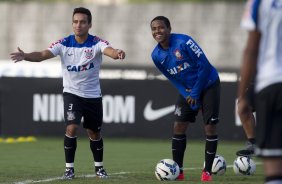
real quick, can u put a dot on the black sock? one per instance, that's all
(178, 149)
(252, 140)
(96, 147)
(210, 151)
(70, 147)
(273, 180)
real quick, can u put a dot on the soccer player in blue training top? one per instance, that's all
(262, 61)
(81, 57)
(184, 63)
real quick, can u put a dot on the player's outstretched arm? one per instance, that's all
(33, 56)
(114, 53)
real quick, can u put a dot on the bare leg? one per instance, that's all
(248, 121)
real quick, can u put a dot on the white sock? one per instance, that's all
(69, 164)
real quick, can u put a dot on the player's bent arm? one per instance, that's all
(114, 53)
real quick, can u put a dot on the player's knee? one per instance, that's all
(210, 129)
(93, 135)
(180, 127)
(71, 130)
(244, 113)
(241, 111)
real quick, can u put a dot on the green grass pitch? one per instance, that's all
(128, 161)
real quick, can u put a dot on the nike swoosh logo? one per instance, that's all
(166, 173)
(154, 114)
(214, 119)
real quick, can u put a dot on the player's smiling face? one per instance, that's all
(80, 25)
(160, 32)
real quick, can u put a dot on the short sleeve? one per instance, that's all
(103, 45)
(55, 47)
(250, 16)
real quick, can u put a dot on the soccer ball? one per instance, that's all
(244, 166)
(167, 169)
(219, 165)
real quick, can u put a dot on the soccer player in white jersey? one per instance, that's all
(81, 57)
(248, 120)
(262, 58)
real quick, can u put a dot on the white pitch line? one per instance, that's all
(93, 175)
(60, 178)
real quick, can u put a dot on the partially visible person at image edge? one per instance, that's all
(262, 61)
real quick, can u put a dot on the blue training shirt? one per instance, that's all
(185, 65)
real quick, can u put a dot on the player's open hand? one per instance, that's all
(121, 54)
(17, 56)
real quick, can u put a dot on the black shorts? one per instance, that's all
(210, 101)
(269, 121)
(91, 109)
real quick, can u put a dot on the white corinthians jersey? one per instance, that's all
(80, 64)
(266, 16)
